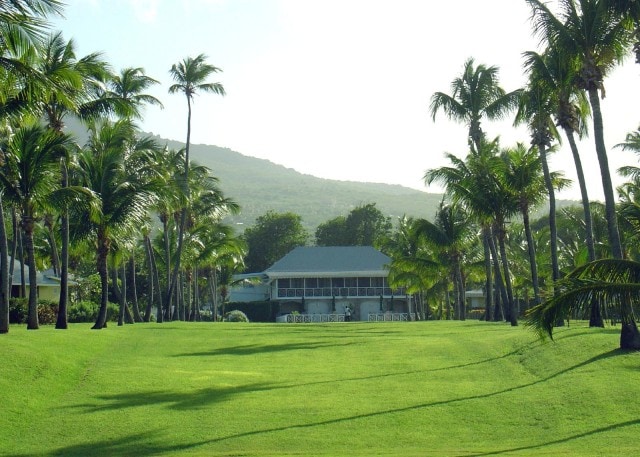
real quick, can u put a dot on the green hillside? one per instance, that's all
(259, 185)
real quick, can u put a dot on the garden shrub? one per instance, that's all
(87, 311)
(258, 311)
(18, 310)
(47, 312)
(236, 316)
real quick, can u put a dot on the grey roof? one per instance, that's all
(44, 278)
(343, 260)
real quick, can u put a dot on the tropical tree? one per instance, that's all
(29, 181)
(523, 178)
(594, 38)
(450, 235)
(615, 283)
(127, 91)
(70, 92)
(114, 166)
(552, 70)
(190, 76)
(476, 95)
(271, 237)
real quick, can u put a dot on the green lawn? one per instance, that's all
(348, 389)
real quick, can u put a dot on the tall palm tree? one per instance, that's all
(536, 109)
(552, 70)
(111, 166)
(190, 76)
(476, 95)
(477, 182)
(29, 180)
(71, 92)
(594, 38)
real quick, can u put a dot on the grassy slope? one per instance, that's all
(435, 388)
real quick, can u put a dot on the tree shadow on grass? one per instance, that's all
(198, 399)
(566, 439)
(137, 445)
(252, 349)
(346, 419)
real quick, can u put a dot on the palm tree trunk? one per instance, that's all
(61, 321)
(513, 313)
(460, 298)
(32, 316)
(607, 185)
(183, 214)
(101, 266)
(555, 269)
(488, 284)
(5, 286)
(586, 206)
(134, 293)
(532, 256)
(150, 280)
(498, 313)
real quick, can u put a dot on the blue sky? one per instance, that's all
(334, 88)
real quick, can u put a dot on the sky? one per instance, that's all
(338, 89)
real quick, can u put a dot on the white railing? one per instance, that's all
(335, 317)
(308, 318)
(390, 317)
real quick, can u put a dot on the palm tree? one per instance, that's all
(476, 95)
(477, 183)
(70, 92)
(593, 37)
(613, 282)
(552, 70)
(127, 91)
(190, 76)
(112, 167)
(536, 108)
(450, 235)
(524, 180)
(29, 181)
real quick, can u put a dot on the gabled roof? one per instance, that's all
(308, 261)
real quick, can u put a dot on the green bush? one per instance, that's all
(259, 311)
(87, 311)
(236, 316)
(18, 310)
(47, 312)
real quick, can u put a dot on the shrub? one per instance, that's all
(87, 311)
(47, 312)
(258, 311)
(236, 316)
(18, 310)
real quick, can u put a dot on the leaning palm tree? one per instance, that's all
(613, 282)
(593, 37)
(29, 181)
(111, 166)
(190, 76)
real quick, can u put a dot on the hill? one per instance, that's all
(260, 185)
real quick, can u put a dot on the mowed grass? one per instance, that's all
(348, 389)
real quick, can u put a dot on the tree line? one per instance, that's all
(122, 194)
